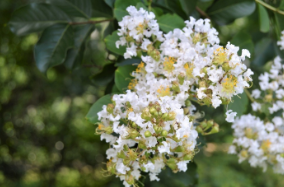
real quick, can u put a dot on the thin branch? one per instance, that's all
(201, 12)
(270, 7)
(90, 22)
(249, 95)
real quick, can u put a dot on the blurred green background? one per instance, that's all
(45, 139)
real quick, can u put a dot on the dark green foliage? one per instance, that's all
(39, 112)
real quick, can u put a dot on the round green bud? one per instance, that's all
(164, 133)
(147, 134)
(153, 110)
(199, 129)
(226, 66)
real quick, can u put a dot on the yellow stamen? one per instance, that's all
(229, 84)
(132, 84)
(220, 56)
(140, 28)
(140, 67)
(164, 91)
(265, 145)
(169, 64)
(189, 69)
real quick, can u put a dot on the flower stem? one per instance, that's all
(270, 7)
(249, 95)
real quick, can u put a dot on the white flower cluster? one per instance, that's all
(188, 58)
(271, 94)
(259, 142)
(152, 125)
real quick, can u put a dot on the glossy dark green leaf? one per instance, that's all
(52, 47)
(169, 22)
(92, 115)
(110, 44)
(73, 8)
(239, 104)
(123, 77)
(263, 19)
(110, 3)
(115, 90)
(101, 9)
(120, 7)
(105, 76)
(83, 5)
(141, 5)
(132, 61)
(75, 55)
(204, 4)
(36, 17)
(224, 12)
(188, 6)
(264, 51)
(174, 6)
(244, 41)
(180, 179)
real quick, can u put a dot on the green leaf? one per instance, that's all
(36, 17)
(170, 179)
(52, 47)
(105, 76)
(84, 5)
(264, 51)
(170, 22)
(188, 6)
(101, 9)
(110, 44)
(263, 19)
(75, 55)
(244, 41)
(133, 61)
(123, 77)
(92, 115)
(174, 6)
(110, 3)
(120, 8)
(74, 8)
(141, 5)
(239, 104)
(224, 12)
(115, 90)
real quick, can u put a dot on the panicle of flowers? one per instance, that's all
(259, 142)
(154, 124)
(271, 93)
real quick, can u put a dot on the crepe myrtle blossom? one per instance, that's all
(260, 143)
(154, 124)
(271, 92)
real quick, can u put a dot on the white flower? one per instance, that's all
(230, 116)
(182, 165)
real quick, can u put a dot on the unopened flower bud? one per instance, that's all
(244, 153)
(175, 86)
(268, 98)
(226, 66)
(188, 157)
(181, 77)
(202, 84)
(121, 154)
(199, 129)
(147, 134)
(111, 167)
(130, 180)
(110, 108)
(164, 133)
(172, 116)
(179, 149)
(215, 129)
(172, 163)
